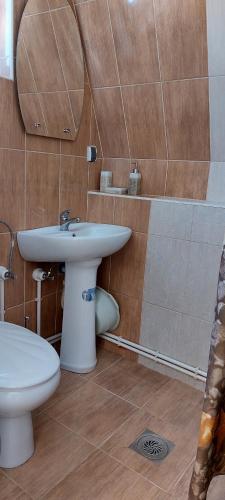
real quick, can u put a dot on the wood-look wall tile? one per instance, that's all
(128, 266)
(14, 288)
(39, 38)
(12, 199)
(103, 276)
(74, 185)
(182, 37)
(42, 190)
(12, 130)
(48, 286)
(36, 6)
(130, 317)
(111, 122)
(136, 48)
(144, 115)
(94, 136)
(153, 176)
(100, 209)
(132, 213)
(25, 79)
(31, 106)
(69, 46)
(48, 316)
(98, 42)
(94, 171)
(79, 146)
(42, 144)
(187, 119)
(15, 315)
(187, 179)
(58, 113)
(31, 315)
(120, 168)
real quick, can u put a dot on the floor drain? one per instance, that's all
(152, 446)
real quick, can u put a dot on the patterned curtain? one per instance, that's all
(210, 459)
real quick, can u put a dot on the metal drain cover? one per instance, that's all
(152, 446)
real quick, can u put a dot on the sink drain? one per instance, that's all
(152, 446)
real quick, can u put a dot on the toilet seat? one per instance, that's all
(26, 360)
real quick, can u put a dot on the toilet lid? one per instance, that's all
(25, 358)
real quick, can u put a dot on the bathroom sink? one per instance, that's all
(82, 242)
(82, 249)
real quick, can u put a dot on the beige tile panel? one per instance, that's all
(187, 119)
(136, 48)
(42, 190)
(187, 179)
(144, 115)
(58, 451)
(111, 122)
(98, 42)
(128, 265)
(182, 36)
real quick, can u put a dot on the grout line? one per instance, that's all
(136, 407)
(155, 82)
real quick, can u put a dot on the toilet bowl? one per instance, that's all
(29, 375)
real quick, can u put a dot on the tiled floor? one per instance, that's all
(82, 436)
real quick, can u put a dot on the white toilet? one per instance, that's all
(29, 375)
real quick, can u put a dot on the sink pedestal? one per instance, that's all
(78, 345)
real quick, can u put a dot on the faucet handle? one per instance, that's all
(65, 215)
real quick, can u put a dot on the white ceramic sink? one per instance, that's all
(82, 242)
(82, 249)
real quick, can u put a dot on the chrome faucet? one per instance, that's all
(65, 220)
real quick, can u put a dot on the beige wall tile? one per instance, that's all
(187, 179)
(187, 119)
(144, 115)
(98, 42)
(111, 122)
(101, 209)
(42, 190)
(182, 36)
(136, 48)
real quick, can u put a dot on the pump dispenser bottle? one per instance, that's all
(134, 187)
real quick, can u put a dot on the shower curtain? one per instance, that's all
(210, 459)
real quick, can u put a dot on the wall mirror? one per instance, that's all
(50, 69)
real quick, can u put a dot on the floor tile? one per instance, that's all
(69, 383)
(144, 490)
(57, 452)
(180, 491)
(177, 403)
(162, 474)
(92, 412)
(99, 477)
(104, 360)
(9, 490)
(133, 382)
